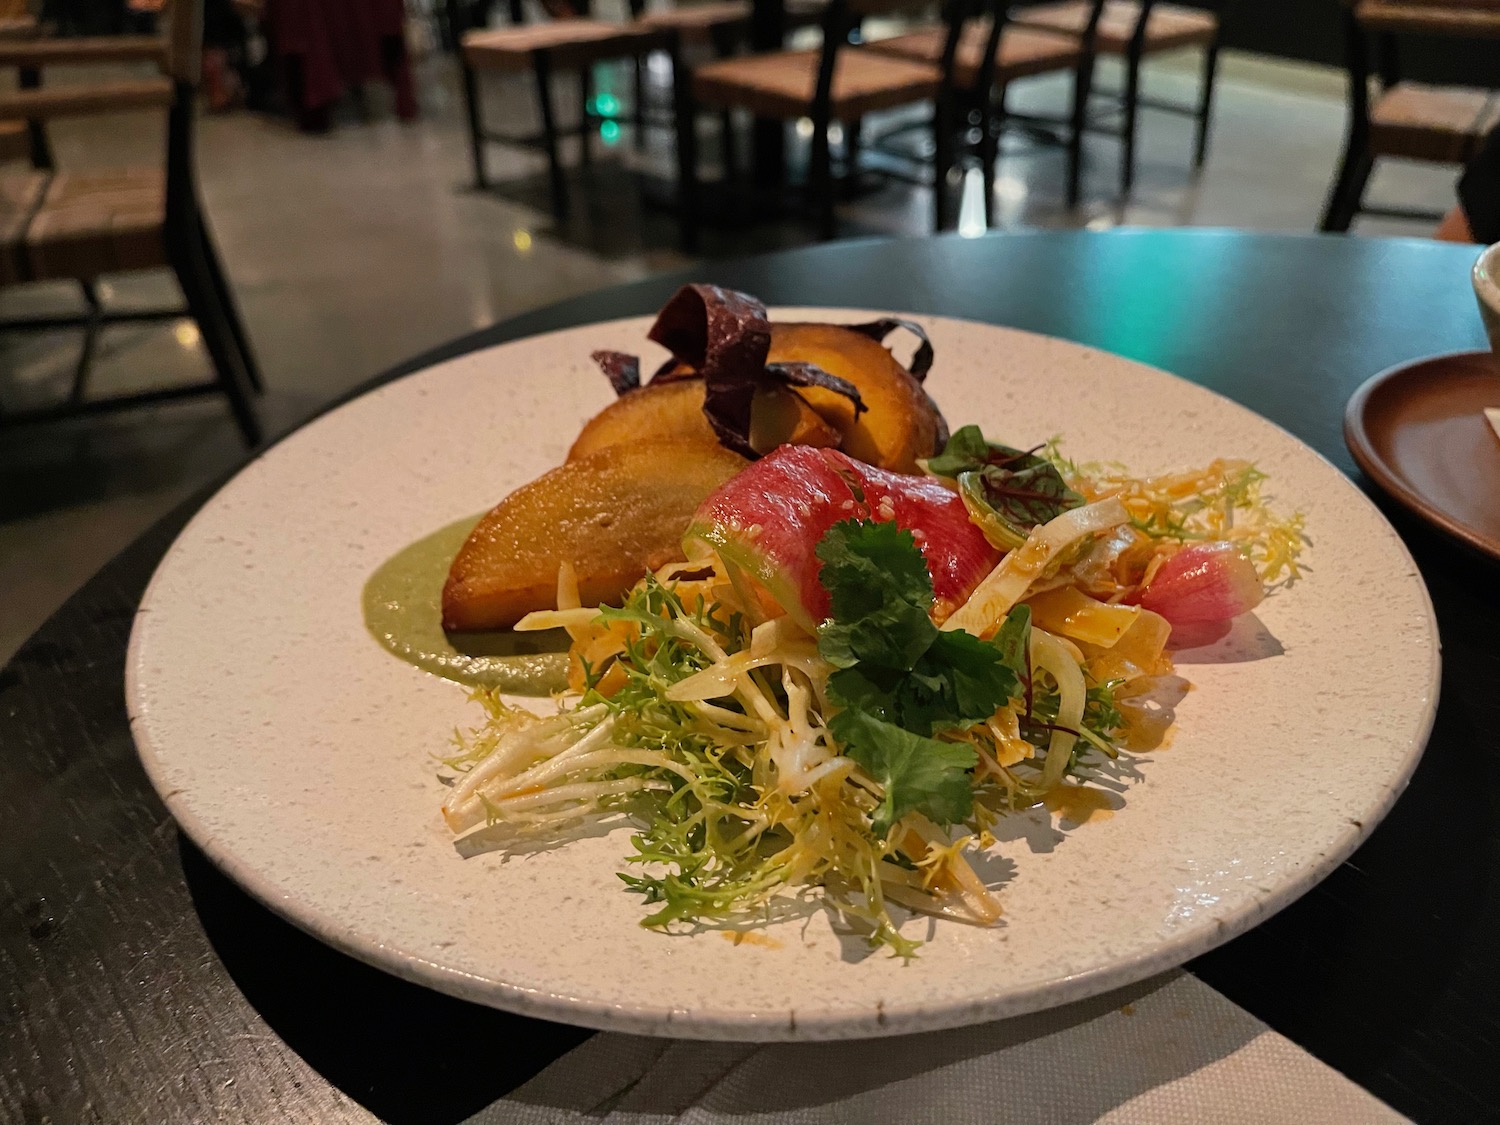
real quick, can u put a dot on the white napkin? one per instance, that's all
(1170, 1051)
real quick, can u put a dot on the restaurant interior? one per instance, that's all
(223, 218)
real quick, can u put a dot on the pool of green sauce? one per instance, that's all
(403, 605)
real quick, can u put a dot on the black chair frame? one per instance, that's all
(1119, 116)
(547, 138)
(841, 20)
(1077, 121)
(969, 118)
(1346, 197)
(210, 303)
(725, 40)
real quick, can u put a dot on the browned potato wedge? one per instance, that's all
(614, 515)
(781, 416)
(901, 423)
(656, 412)
(673, 411)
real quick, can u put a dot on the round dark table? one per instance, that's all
(142, 986)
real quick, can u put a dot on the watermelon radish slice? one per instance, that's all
(766, 522)
(1206, 582)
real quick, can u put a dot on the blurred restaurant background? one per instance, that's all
(218, 221)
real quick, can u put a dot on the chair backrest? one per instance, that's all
(1000, 15)
(1383, 21)
(1446, 19)
(183, 31)
(841, 18)
(184, 35)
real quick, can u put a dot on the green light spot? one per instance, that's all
(609, 132)
(608, 105)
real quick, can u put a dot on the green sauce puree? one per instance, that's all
(403, 611)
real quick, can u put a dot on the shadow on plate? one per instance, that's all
(1245, 639)
(404, 1052)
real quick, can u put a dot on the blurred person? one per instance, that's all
(1476, 218)
(226, 42)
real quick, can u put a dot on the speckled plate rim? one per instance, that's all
(1390, 479)
(739, 1025)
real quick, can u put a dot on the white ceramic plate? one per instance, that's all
(299, 755)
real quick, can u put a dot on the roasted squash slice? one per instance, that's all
(673, 411)
(613, 514)
(900, 425)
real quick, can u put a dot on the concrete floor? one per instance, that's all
(354, 250)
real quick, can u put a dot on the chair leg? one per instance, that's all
(91, 327)
(942, 162)
(192, 276)
(727, 146)
(1205, 103)
(586, 117)
(1349, 189)
(1083, 84)
(639, 109)
(229, 306)
(993, 121)
(852, 133)
(476, 129)
(820, 181)
(1127, 135)
(685, 114)
(29, 78)
(543, 71)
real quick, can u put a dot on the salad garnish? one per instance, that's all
(872, 643)
(861, 763)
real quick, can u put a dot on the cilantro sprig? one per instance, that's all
(901, 681)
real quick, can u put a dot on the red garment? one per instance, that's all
(340, 44)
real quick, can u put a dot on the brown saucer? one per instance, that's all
(1419, 431)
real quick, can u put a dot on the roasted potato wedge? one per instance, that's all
(613, 515)
(673, 411)
(656, 412)
(781, 416)
(900, 424)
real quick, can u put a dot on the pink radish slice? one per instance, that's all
(1204, 582)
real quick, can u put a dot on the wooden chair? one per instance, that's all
(719, 25)
(1133, 30)
(573, 45)
(78, 226)
(1408, 120)
(837, 82)
(991, 55)
(22, 140)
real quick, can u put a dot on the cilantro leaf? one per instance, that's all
(867, 564)
(893, 662)
(893, 636)
(880, 590)
(975, 680)
(918, 774)
(900, 680)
